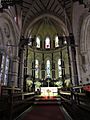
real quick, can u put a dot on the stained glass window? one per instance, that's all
(56, 41)
(48, 68)
(47, 42)
(59, 68)
(38, 42)
(2, 67)
(6, 71)
(65, 40)
(36, 68)
(30, 41)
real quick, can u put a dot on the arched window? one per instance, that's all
(48, 68)
(36, 68)
(59, 68)
(56, 41)
(30, 41)
(2, 67)
(6, 71)
(47, 42)
(65, 39)
(37, 42)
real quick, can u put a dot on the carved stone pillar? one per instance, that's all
(72, 50)
(15, 63)
(21, 69)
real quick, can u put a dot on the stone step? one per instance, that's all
(47, 100)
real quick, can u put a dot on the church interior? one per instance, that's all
(44, 59)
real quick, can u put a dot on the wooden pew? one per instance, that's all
(13, 103)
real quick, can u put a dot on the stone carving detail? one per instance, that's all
(1, 38)
(9, 47)
(86, 3)
(6, 30)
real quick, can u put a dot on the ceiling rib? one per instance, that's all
(43, 4)
(55, 7)
(48, 3)
(27, 2)
(33, 8)
(52, 4)
(33, 12)
(39, 6)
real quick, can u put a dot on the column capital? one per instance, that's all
(15, 58)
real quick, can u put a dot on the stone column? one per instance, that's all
(78, 66)
(15, 63)
(21, 69)
(72, 50)
(33, 85)
(22, 72)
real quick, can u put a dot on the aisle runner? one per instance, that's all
(44, 112)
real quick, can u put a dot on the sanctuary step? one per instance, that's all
(47, 100)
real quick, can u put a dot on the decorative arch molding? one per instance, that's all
(11, 27)
(57, 56)
(39, 58)
(85, 37)
(6, 38)
(9, 49)
(1, 39)
(11, 37)
(85, 48)
(48, 57)
(84, 33)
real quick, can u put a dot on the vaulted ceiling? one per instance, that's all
(32, 9)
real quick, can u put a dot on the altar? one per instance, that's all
(49, 91)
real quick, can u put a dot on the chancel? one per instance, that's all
(45, 59)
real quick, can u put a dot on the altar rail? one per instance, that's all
(75, 97)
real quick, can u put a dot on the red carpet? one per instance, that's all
(44, 112)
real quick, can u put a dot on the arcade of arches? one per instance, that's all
(44, 49)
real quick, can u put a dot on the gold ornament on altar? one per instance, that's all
(48, 91)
